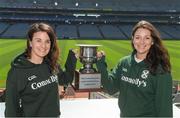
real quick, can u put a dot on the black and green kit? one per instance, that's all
(142, 94)
(32, 89)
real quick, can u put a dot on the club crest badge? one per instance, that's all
(145, 74)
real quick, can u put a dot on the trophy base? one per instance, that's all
(88, 82)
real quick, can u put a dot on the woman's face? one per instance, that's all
(40, 45)
(142, 42)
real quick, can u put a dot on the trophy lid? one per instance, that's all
(87, 45)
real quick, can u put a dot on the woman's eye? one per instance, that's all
(148, 38)
(48, 42)
(38, 40)
(136, 37)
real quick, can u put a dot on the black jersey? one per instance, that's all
(32, 89)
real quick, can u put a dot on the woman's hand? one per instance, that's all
(100, 54)
(76, 52)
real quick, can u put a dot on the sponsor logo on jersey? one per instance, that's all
(124, 69)
(32, 77)
(134, 81)
(37, 85)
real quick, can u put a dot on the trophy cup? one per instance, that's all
(87, 78)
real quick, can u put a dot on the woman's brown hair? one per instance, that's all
(53, 55)
(158, 54)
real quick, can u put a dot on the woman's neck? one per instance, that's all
(36, 60)
(140, 56)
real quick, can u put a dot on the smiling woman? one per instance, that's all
(143, 78)
(142, 42)
(32, 82)
(40, 46)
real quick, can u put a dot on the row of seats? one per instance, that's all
(87, 31)
(116, 5)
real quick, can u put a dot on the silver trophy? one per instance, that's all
(87, 78)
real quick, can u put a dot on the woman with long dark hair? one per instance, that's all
(143, 78)
(32, 83)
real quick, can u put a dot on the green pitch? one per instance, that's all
(115, 49)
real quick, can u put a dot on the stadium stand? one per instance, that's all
(17, 30)
(172, 31)
(89, 31)
(126, 29)
(3, 27)
(115, 5)
(89, 19)
(67, 31)
(111, 32)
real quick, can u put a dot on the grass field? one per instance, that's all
(115, 49)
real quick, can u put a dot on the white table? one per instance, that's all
(84, 108)
(93, 108)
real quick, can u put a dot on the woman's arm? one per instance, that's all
(110, 80)
(12, 107)
(163, 98)
(66, 76)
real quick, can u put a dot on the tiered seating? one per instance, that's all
(3, 26)
(89, 31)
(111, 32)
(109, 23)
(172, 30)
(18, 30)
(66, 31)
(127, 29)
(117, 5)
